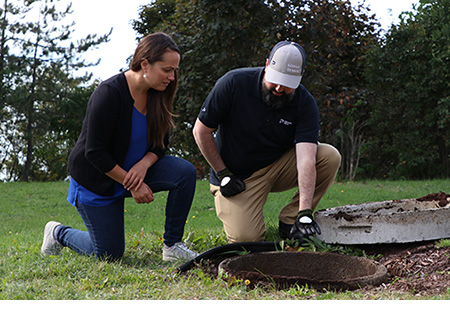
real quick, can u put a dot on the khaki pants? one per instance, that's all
(242, 215)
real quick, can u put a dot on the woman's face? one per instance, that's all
(161, 73)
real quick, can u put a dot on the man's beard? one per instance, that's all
(276, 102)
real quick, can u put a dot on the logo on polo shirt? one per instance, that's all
(285, 122)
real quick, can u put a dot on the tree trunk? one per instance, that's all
(30, 112)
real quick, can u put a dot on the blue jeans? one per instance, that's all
(106, 237)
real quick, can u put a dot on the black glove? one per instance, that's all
(304, 225)
(230, 185)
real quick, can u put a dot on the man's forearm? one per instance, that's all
(306, 185)
(207, 145)
(306, 168)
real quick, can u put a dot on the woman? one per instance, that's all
(120, 153)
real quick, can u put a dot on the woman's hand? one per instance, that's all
(135, 176)
(142, 195)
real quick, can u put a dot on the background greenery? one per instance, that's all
(25, 208)
(384, 99)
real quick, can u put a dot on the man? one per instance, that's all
(266, 141)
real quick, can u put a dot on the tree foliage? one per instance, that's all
(337, 37)
(384, 101)
(37, 64)
(217, 36)
(409, 76)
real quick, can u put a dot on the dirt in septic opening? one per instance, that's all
(319, 270)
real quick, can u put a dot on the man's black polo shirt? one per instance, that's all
(251, 135)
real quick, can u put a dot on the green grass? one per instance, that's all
(141, 274)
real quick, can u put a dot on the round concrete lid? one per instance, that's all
(391, 221)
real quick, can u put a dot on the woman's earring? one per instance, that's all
(145, 76)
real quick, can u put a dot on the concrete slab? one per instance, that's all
(393, 221)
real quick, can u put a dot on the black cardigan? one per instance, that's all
(105, 136)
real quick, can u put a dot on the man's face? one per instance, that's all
(275, 95)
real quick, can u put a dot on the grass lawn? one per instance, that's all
(141, 274)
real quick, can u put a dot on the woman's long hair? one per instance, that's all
(159, 103)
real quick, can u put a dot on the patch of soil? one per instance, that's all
(442, 198)
(422, 268)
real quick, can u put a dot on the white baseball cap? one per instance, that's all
(286, 64)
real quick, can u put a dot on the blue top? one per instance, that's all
(136, 151)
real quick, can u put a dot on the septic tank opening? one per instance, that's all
(320, 270)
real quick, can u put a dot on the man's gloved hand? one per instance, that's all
(304, 225)
(230, 185)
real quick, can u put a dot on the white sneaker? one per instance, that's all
(50, 246)
(177, 252)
